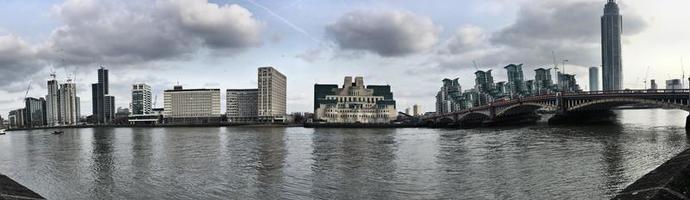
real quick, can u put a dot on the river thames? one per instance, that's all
(529, 162)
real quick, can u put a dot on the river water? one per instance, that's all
(531, 162)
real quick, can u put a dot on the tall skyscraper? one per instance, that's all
(449, 97)
(69, 102)
(272, 95)
(53, 103)
(543, 82)
(103, 105)
(593, 79)
(141, 99)
(611, 56)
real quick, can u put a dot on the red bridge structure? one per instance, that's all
(564, 105)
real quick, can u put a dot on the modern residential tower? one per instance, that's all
(593, 79)
(611, 56)
(53, 103)
(272, 95)
(103, 104)
(141, 99)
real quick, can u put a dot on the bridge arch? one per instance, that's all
(607, 104)
(524, 108)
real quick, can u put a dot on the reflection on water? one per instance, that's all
(533, 162)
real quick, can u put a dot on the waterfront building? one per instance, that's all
(141, 99)
(674, 84)
(449, 97)
(543, 83)
(272, 95)
(484, 81)
(612, 61)
(191, 106)
(16, 118)
(530, 88)
(501, 89)
(35, 112)
(53, 103)
(593, 79)
(354, 103)
(242, 105)
(103, 104)
(653, 85)
(69, 104)
(516, 80)
(568, 83)
(416, 110)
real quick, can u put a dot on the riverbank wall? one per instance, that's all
(671, 180)
(10, 190)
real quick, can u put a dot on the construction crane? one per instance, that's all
(475, 65)
(646, 75)
(682, 69)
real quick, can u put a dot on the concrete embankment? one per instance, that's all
(161, 125)
(11, 190)
(671, 180)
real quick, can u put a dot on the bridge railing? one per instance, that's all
(650, 91)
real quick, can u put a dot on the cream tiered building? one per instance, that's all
(354, 103)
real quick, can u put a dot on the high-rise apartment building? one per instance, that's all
(141, 99)
(611, 50)
(53, 103)
(69, 104)
(593, 79)
(449, 96)
(103, 105)
(272, 95)
(191, 106)
(416, 110)
(241, 105)
(516, 80)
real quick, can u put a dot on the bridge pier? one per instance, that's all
(687, 124)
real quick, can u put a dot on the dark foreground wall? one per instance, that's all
(10, 190)
(671, 180)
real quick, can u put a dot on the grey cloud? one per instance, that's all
(112, 32)
(386, 33)
(570, 29)
(16, 62)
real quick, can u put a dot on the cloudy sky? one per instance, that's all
(409, 44)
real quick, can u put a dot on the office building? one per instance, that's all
(69, 104)
(103, 104)
(674, 84)
(653, 85)
(593, 79)
(35, 112)
(612, 61)
(407, 111)
(416, 110)
(53, 103)
(568, 83)
(141, 99)
(242, 105)
(355, 103)
(272, 97)
(191, 106)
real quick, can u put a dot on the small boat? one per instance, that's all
(58, 132)
(2, 131)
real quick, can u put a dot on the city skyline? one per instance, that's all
(448, 51)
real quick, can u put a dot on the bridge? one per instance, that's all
(563, 105)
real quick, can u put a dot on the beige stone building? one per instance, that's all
(354, 103)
